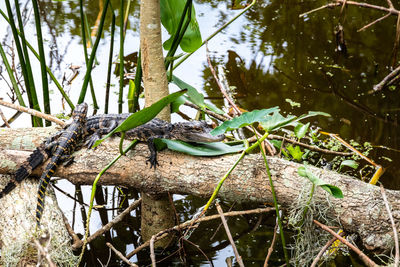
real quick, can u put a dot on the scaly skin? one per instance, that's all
(62, 150)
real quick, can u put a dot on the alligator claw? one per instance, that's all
(153, 162)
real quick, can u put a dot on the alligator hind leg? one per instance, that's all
(153, 154)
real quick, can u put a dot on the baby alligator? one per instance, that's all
(62, 149)
(190, 131)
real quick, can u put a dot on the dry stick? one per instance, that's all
(152, 255)
(318, 9)
(362, 256)
(164, 233)
(120, 255)
(109, 225)
(322, 251)
(71, 232)
(228, 233)
(395, 236)
(390, 4)
(386, 80)
(4, 119)
(33, 112)
(221, 88)
(271, 248)
(44, 253)
(372, 23)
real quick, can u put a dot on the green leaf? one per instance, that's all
(202, 149)
(308, 115)
(295, 152)
(349, 163)
(143, 116)
(243, 120)
(276, 121)
(171, 12)
(194, 96)
(301, 129)
(331, 189)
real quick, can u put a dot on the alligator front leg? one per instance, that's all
(153, 153)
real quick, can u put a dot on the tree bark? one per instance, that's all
(361, 211)
(157, 213)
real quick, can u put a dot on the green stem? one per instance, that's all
(215, 33)
(93, 54)
(42, 58)
(12, 78)
(133, 143)
(275, 200)
(121, 56)
(110, 55)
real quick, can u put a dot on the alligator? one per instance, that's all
(98, 125)
(189, 131)
(62, 149)
(95, 127)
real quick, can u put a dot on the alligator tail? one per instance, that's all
(44, 181)
(40, 155)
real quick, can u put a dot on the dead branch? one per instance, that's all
(362, 256)
(180, 173)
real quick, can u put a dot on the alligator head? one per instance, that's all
(194, 131)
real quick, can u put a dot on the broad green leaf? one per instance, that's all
(276, 121)
(177, 103)
(301, 129)
(243, 120)
(143, 116)
(295, 152)
(194, 96)
(331, 189)
(349, 163)
(171, 12)
(202, 149)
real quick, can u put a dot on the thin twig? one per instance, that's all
(395, 236)
(386, 80)
(362, 256)
(109, 225)
(71, 232)
(152, 255)
(318, 9)
(120, 255)
(228, 233)
(271, 248)
(186, 224)
(324, 248)
(33, 112)
(375, 21)
(44, 252)
(221, 88)
(4, 119)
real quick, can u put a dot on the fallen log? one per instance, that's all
(361, 211)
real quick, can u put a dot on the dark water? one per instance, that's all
(269, 55)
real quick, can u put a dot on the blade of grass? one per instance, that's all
(12, 78)
(84, 32)
(93, 54)
(53, 78)
(42, 58)
(110, 56)
(121, 55)
(31, 89)
(20, 56)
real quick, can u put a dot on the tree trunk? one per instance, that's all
(361, 211)
(157, 213)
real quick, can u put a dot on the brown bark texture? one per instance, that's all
(156, 210)
(361, 211)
